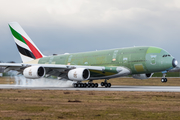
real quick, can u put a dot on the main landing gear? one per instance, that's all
(90, 84)
(105, 83)
(85, 85)
(164, 79)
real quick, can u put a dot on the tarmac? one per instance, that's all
(113, 88)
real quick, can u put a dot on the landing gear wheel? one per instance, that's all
(75, 85)
(109, 85)
(92, 85)
(102, 83)
(164, 80)
(106, 85)
(89, 85)
(79, 85)
(85, 85)
(96, 85)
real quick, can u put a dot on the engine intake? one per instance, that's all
(34, 72)
(79, 74)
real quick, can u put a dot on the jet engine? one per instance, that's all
(142, 76)
(34, 72)
(79, 74)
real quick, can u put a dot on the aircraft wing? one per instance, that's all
(10, 64)
(62, 70)
(49, 67)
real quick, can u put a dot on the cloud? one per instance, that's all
(84, 13)
(86, 25)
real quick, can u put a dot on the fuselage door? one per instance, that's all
(114, 56)
(126, 58)
(153, 59)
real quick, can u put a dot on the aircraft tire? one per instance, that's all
(106, 85)
(165, 79)
(109, 85)
(162, 80)
(92, 85)
(85, 85)
(79, 85)
(89, 85)
(75, 85)
(96, 85)
(102, 83)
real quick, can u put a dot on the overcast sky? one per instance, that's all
(69, 26)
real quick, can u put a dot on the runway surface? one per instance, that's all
(113, 88)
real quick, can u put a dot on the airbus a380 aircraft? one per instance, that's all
(140, 62)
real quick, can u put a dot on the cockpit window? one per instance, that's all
(166, 55)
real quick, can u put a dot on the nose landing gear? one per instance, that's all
(164, 79)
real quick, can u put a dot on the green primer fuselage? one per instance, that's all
(139, 60)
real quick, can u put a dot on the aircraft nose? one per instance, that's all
(174, 62)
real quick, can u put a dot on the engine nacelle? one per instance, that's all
(142, 76)
(79, 74)
(34, 72)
